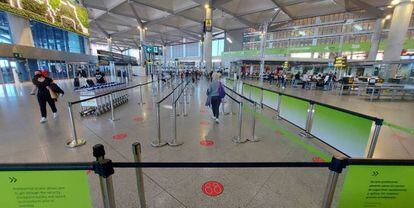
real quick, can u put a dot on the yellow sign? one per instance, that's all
(341, 62)
(209, 23)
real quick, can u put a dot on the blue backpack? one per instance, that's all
(221, 91)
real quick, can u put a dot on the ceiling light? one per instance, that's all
(395, 2)
(139, 27)
(146, 28)
(388, 17)
(206, 6)
(229, 40)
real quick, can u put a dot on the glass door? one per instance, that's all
(6, 73)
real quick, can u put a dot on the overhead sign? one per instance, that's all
(378, 187)
(44, 189)
(208, 25)
(341, 62)
(286, 64)
(17, 55)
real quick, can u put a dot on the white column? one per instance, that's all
(20, 30)
(164, 55)
(396, 36)
(375, 39)
(398, 30)
(208, 40)
(201, 52)
(141, 42)
(263, 36)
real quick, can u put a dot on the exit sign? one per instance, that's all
(17, 55)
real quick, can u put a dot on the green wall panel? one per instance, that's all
(294, 110)
(270, 99)
(344, 131)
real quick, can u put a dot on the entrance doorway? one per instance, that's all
(6, 72)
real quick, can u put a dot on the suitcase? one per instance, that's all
(90, 82)
(76, 82)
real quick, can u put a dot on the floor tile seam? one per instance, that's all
(261, 187)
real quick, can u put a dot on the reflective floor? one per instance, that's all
(24, 139)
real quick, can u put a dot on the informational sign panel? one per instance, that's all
(341, 62)
(208, 25)
(378, 187)
(44, 189)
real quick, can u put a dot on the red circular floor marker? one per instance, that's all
(318, 159)
(119, 136)
(212, 188)
(204, 122)
(279, 133)
(138, 119)
(88, 172)
(207, 143)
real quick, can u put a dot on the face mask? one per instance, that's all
(37, 75)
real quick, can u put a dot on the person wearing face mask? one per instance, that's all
(42, 83)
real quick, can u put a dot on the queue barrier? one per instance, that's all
(75, 141)
(368, 181)
(173, 142)
(344, 130)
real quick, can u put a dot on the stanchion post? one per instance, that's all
(261, 99)
(237, 139)
(140, 94)
(253, 138)
(112, 107)
(309, 120)
(336, 167)
(136, 150)
(158, 143)
(279, 101)
(374, 139)
(174, 141)
(185, 103)
(98, 152)
(105, 170)
(75, 142)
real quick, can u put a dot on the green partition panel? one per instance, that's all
(256, 94)
(45, 189)
(294, 110)
(246, 90)
(346, 132)
(378, 187)
(270, 99)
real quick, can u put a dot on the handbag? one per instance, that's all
(221, 91)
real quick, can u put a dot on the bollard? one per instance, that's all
(140, 92)
(158, 143)
(261, 100)
(98, 152)
(185, 104)
(112, 108)
(254, 137)
(309, 121)
(337, 164)
(136, 150)
(237, 139)
(75, 141)
(174, 142)
(374, 139)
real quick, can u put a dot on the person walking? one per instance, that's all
(215, 93)
(42, 84)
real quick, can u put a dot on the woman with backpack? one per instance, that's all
(215, 93)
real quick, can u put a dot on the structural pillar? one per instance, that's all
(375, 39)
(201, 52)
(396, 36)
(164, 55)
(141, 43)
(263, 36)
(208, 36)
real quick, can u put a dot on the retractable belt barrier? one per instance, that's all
(346, 131)
(76, 142)
(363, 174)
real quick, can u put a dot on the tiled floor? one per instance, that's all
(24, 139)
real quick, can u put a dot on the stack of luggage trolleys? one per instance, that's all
(102, 104)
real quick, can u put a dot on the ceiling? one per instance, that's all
(170, 22)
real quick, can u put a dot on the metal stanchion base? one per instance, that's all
(305, 135)
(238, 140)
(141, 103)
(75, 143)
(113, 120)
(175, 143)
(276, 118)
(158, 144)
(254, 139)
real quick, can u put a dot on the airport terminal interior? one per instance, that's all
(206, 103)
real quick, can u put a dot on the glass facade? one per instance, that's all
(52, 38)
(5, 36)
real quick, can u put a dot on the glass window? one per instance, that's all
(217, 47)
(48, 37)
(5, 36)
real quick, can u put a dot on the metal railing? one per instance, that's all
(310, 115)
(105, 168)
(75, 142)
